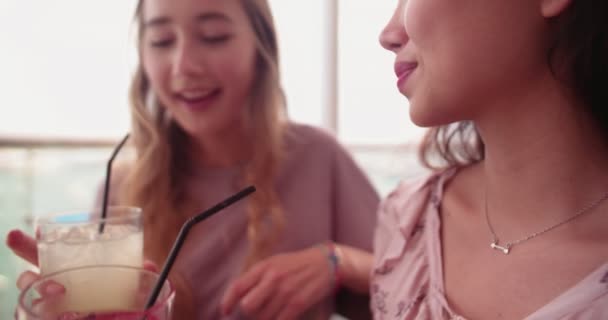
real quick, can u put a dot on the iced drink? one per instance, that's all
(71, 241)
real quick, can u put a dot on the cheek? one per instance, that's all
(154, 70)
(232, 72)
(446, 91)
(236, 71)
(158, 75)
(420, 18)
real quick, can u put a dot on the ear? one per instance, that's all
(553, 8)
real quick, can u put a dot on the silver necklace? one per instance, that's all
(506, 248)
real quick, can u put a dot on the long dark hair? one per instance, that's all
(578, 57)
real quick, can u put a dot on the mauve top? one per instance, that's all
(325, 197)
(407, 278)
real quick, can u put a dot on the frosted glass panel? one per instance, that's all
(371, 109)
(65, 67)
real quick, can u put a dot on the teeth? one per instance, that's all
(196, 94)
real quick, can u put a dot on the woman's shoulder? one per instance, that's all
(315, 147)
(405, 211)
(404, 208)
(307, 137)
(416, 192)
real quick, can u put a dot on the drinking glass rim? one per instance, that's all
(158, 305)
(50, 219)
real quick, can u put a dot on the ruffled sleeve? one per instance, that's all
(398, 218)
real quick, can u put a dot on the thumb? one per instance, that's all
(23, 246)
(151, 266)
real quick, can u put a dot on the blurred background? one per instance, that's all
(66, 66)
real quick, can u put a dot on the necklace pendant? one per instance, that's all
(504, 250)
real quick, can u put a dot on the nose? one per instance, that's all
(394, 35)
(188, 60)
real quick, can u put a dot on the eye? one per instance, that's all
(161, 43)
(215, 40)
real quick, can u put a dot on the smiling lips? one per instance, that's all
(197, 99)
(403, 70)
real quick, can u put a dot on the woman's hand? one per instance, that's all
(282, 286)
(25, 247)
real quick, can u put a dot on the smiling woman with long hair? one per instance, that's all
(511, 223)
(209, 118)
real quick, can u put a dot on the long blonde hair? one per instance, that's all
(156, 181)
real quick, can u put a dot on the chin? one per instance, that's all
(422, 117)
(425, 116)
(192, 129)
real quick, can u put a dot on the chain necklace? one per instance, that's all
(506, 248)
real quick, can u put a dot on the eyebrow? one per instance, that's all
(204, 17)
(201, 18)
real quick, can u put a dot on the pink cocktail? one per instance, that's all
(78, 294)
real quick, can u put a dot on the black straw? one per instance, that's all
(106, 190)
(183, 233)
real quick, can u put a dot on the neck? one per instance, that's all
(544, 159)
(224, 149)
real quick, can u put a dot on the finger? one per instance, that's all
(151, 266)
(146, 287)
(297, 305)
(50, 293)
(23, 246)
(26, 278)
(272, 307)
(241, 286)
(253, 302)
(309, 285)
(47, 288)
(287, 289)
(50, 288)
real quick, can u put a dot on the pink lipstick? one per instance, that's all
(403, 70)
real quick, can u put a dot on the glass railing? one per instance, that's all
(41, 177)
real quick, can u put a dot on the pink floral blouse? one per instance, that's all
(407, 278)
